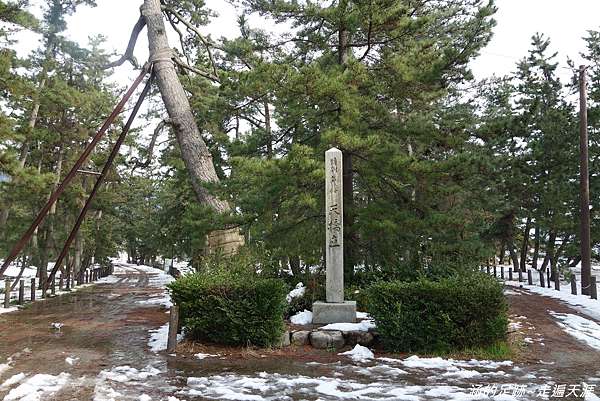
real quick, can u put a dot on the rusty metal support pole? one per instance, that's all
(584, 186)
(59, 190)
(111, 157)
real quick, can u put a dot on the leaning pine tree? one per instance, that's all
(195, 153)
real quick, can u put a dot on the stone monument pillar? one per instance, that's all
(335, 310)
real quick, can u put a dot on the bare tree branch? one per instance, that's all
(150, 150)
(195, 70)
(128, 55)
(195, 30)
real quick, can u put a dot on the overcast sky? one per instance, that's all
(565, 22)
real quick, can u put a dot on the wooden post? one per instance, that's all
(488, 269)
(32, 289)
(584, 185)
(495, 272)
(87, 277)
(173, 327)
(593, 288)
(61, 283)
(573, 286)
(502, 272)
(21, 291)
(7, 285)
(557, 282)
(542, 279)
(520, 275)
(529, 277)
(68, 279)
(548, 277)
(53, 285)
(510, 275)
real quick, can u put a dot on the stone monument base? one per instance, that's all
(334, 312)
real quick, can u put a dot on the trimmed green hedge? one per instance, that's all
(231, 309)
(439, 316)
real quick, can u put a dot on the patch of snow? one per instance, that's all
(145, 397)
(4, 367)
(163, 300)
(362, 315)
(37, 388)
(124, 374)
(14, 379)
(200, 355)
(514, 326)
(297, 292)
(359, 353)
(363, 325)
(103, 392)
(158, 338)
(71, 360)
(302, 318)
(581, 328)
(57, 325)
(273, 385)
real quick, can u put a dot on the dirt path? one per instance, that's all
(571, 358)
(103, 325)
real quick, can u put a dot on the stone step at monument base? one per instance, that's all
(334, 312)
(328, 339)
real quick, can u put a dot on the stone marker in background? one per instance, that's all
(335, 310)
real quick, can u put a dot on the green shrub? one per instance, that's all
(232, 309)
(439, 316)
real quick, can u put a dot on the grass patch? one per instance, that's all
(498, 351)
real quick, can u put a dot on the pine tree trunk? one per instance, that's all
(536, 248)
(514, 257)
(195, 153)
(347, 173)
(502, 252)
(549, 250)
(525, 245)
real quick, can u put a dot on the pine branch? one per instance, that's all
(128, 55)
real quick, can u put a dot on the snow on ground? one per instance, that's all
(104, 391)
(298, 291)
(71, 360)
(201, 355)
(581, 328)
(583, 303)
(158, 338)
(363, 325)
(412, 378)
(38, 387)
(302, 318)
(359, 353)
(14, 379)
(162, 300)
